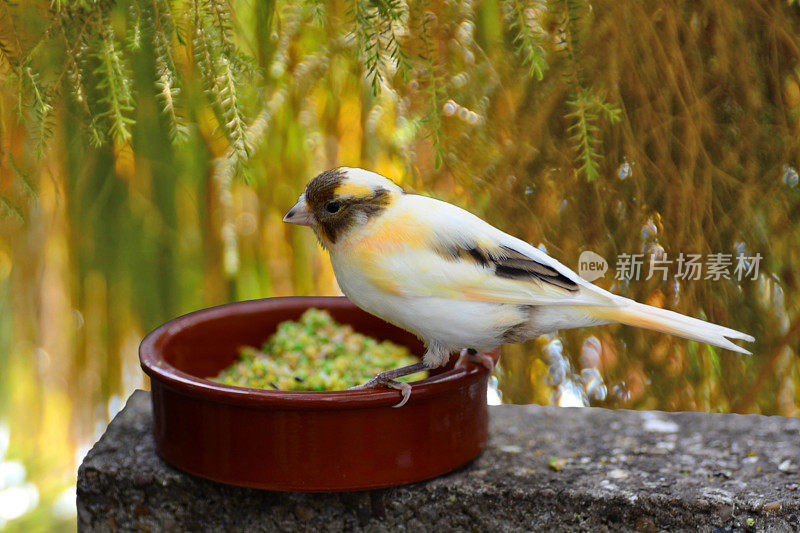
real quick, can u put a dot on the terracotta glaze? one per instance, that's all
(303, 441)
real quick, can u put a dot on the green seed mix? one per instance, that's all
(315, 354)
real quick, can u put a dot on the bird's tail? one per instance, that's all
(649, 317)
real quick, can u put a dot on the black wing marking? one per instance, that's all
(509, 263)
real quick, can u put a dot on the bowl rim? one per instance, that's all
(155, 366)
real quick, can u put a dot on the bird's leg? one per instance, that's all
(387, 379)
(390, 375)
(471, 355)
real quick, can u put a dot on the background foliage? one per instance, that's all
(148, 149)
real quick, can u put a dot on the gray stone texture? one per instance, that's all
(545, 469)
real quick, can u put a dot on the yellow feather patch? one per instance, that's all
(367, 259)
(355, 190)
(402, 231)
(476, 296)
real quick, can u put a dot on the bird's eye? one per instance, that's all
(334, 206)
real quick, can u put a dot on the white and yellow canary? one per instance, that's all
(455, 281)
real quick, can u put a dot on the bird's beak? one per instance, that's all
(300, 213)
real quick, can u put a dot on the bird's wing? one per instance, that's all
(425, 247)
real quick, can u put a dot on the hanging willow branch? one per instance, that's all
(167, 82)
(96, 64)
(220, 68)
(523, 17)
(375, 27)
(585, 106)
(114, 84)
(435, 85)
(198, 40)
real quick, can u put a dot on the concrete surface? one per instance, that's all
(545, 469)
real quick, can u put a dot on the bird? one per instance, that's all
(455, 281)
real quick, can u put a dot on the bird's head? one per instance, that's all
(341, 200)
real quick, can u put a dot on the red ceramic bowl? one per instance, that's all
(303, 441)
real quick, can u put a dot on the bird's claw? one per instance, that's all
(468, 355)
(404, 388)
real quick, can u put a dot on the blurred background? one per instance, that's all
(149, 148)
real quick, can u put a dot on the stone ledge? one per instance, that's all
(545, 468)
